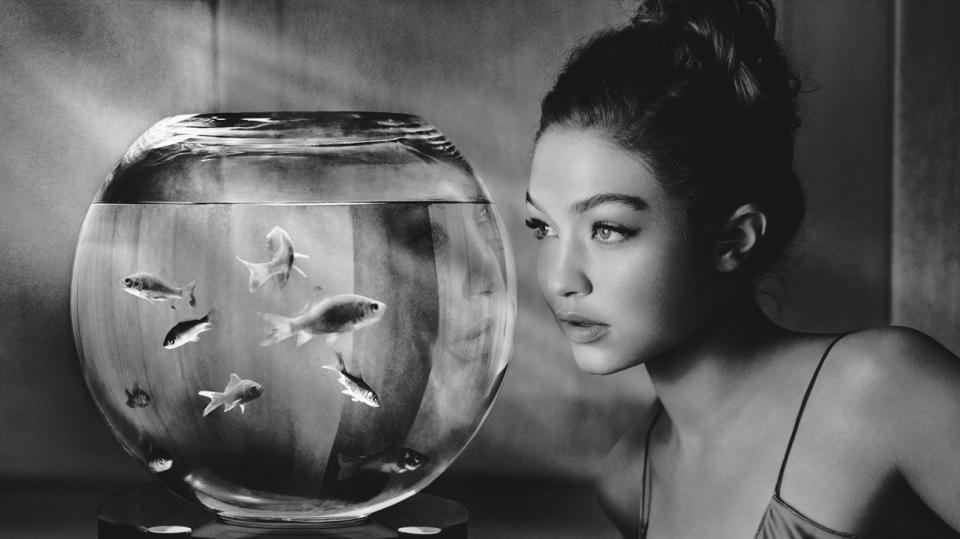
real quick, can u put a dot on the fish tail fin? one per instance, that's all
(215, 401)
(298, 270)
(259, 273)
(212, 317)
(348, 466)
(300, 255)
(329, 368)
(340, 364)
(189, 292)
(280, 328)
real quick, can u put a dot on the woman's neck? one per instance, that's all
(704, 384)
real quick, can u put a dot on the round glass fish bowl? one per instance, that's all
(293, 317)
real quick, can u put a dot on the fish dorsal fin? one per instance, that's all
(234, 380)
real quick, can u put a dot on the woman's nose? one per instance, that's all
(561, 270)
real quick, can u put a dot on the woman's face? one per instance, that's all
(614, 262)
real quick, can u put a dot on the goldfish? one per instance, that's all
(156, 459)
(153, 288)
(390, 460)
(159, 462)
(238, 392)
(187, 331)
(137, 398)
(280, 265)
(354, 386)
(331, 316)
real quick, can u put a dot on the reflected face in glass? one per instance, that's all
(614, 262)
(467, 240)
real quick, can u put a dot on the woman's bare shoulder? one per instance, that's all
(618, 483)
(894, 357)
(905, 387)
(896, 378)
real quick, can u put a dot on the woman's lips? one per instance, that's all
(468, 342)
(482, 329)
(580, 330)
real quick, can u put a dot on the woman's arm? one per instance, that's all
(920, 411)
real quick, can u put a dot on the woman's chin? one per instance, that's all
(595, 361)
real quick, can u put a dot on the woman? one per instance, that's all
(661, 189)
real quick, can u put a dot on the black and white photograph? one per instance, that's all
(485, 269)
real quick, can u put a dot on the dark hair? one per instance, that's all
(704, 93)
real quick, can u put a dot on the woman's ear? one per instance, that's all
(740, 236)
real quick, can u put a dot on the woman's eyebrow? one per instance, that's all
(588, 203)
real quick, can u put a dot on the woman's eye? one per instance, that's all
(610, 234)
(540, 229)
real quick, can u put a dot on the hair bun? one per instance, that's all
(657, 12)
(733, 38)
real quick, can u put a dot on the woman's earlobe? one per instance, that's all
(739, 237)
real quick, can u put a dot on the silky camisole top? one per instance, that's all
(780, 520)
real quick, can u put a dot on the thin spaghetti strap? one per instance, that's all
(803, 404)
(646, 479)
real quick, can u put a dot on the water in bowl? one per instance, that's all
(292, 362)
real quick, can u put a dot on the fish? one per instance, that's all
(331, 316)
(280, 265)
(354, 386)
(188, 331)
(153, 288)
(391, 460)
(137, 398)
(238, 392)
(159, 462)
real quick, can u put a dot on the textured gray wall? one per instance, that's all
(926, 173)
(79, 81)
